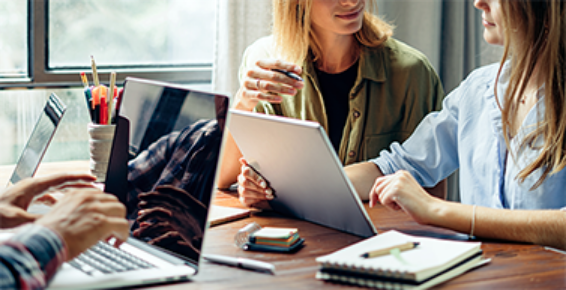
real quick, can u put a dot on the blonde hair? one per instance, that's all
(535, 36)
(294, 38)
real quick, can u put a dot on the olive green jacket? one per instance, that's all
(395, 88)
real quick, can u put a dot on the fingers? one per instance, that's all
(41, 184)
(73, 184)
(160, 214)
(269, 64)
(252, 186)
(253, 94)
(384, 192)
(116, 227)
(152, 230)
(261, 83)
(47, 199)
(24, 191)
(271, 81)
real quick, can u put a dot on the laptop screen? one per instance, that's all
(39, 139)
(184, 129)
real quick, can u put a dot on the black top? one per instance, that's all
(335, 89)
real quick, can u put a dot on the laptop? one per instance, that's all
(39, 140)
(299, 162)
(138, 262)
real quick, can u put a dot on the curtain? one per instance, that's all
(448, 32)
(239, 23)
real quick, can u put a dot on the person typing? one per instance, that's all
(76, 222)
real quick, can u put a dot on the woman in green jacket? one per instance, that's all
(364, 87)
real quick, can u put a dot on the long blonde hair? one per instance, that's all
(535, 36)
(294, 38)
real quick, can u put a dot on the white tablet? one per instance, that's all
(300, 164)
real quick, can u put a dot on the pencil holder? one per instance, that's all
(100, 142)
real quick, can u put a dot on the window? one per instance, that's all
(13, 40)
(45, 44)
(130, 33)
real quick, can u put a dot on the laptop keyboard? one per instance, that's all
(103, 258)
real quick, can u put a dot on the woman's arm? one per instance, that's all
(230, 166)
(542, 227)
(400, 191)
(363, 176)
(259, 83)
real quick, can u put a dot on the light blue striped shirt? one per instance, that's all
(467, 135)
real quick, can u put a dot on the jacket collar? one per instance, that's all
(372, 65)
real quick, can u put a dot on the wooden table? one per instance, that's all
(513, 265)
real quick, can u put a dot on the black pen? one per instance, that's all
(289, 74)
(241, 263)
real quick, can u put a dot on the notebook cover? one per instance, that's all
(222, 214)
(431, 257)
(391, 283)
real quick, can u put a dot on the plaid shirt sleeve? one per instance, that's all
(183, 159)
(146, 169)
(31, 258)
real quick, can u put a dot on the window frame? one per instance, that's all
(40, 75)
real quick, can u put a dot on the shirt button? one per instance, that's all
(352, 153)
(356, 114)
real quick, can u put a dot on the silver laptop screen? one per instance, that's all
(169, 207)
(39, 139)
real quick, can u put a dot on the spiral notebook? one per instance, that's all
(432, 262)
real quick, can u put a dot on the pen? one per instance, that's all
(241, 263)
(103, 108)
(289, 74)
(89, 102)
(386, 251)
(96, 106)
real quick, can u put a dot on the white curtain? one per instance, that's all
(239, 24)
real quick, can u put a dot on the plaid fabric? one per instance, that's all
(185, 159)
(31, 258)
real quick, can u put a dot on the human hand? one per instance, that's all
(263, 84)
(400, 191)
(85, 216)
(178, 208)
(252, 188)
(15, 200)
(172, 218)
(162, 234)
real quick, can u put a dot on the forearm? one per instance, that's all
(363, 175)
(31, 258)
(230, 167)
(542, 227)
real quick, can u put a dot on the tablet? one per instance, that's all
(300, 164)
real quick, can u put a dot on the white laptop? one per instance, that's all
(39, 140)
(299, 162)
(138, 262)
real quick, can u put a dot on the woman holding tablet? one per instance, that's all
(365, 88)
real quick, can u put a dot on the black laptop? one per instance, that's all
(150, 110)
